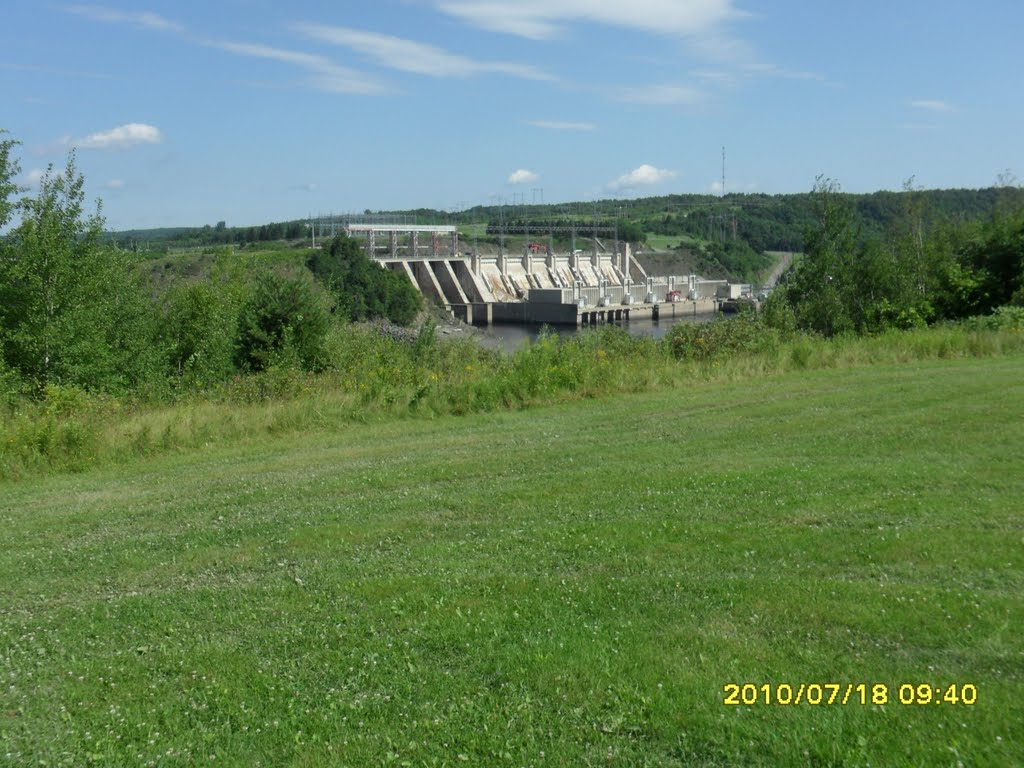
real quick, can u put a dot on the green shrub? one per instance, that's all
(744, 333)
(1009, 318)
(199, 330)
(284, 322)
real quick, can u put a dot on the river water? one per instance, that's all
(510, 337)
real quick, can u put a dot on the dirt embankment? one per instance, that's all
(660, 263)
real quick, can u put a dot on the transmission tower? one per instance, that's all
(723, 171)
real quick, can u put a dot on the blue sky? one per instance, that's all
(250, 111)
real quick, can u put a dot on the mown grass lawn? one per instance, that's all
(572, 585)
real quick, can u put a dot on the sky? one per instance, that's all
(251, 111)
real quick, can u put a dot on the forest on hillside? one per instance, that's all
(763, 222)
(724, 237)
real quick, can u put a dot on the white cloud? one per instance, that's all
(122, 137)
(544, 19)
(327, 76)
(115, 184)
(643, 176)
(932, 105)
(559, 125)
(141, 19)
(660, 95)
(411, 56)
(523, 176)
(34, 176)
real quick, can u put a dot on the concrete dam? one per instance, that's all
(539, 286)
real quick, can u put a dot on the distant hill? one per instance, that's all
(723, 236)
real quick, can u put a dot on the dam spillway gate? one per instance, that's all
(540, 286)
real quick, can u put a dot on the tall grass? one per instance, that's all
(373, 375)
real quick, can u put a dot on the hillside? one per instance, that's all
(721, 237)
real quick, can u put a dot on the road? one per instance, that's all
(785, 259)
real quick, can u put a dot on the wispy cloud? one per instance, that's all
(932, 105)
(523, 176)
(60, 72)
(415, 57)
(560, 125)
(645, 175)
(327, 75)
(139, 19)
(659, 94)
(771, 70)
(545, 19)
(716, 77)
(705, 27)
(121, 137)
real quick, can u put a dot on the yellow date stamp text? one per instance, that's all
(840, 694)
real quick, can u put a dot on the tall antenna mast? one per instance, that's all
(723, 171)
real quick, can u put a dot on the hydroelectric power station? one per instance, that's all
(538, 285)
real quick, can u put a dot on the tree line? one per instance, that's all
(75, 309)
(923, 267)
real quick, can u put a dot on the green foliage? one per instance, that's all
(777, 313)
(916, 273)
(9, 169)
(10, 382)
(994, 256)
(72, 310)
(11, 387)
(199, 331)
(376, 374)
(1009, 318)
(738, 259)
(362, 288)
(724, 337)
(284, 322)
(631, 231)
(823, 284)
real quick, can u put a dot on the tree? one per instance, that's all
(363, 288)
(995, 257)
(71, 308)
(631, 232)
(283, 320)
(9, 169)
(199, 329)
(823, 283)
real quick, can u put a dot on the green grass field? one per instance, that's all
(559, 586)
